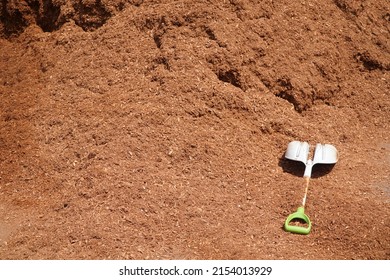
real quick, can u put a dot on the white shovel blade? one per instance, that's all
(298, 151)
(325, 154)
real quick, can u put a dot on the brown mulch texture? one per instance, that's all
(157, 129)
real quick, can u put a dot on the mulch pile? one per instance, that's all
(151, 129)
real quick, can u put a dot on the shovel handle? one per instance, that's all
(299, 215)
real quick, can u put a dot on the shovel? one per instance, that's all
(299, 151)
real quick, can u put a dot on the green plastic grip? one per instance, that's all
(300, 215)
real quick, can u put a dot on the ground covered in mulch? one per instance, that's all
(151, 129)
